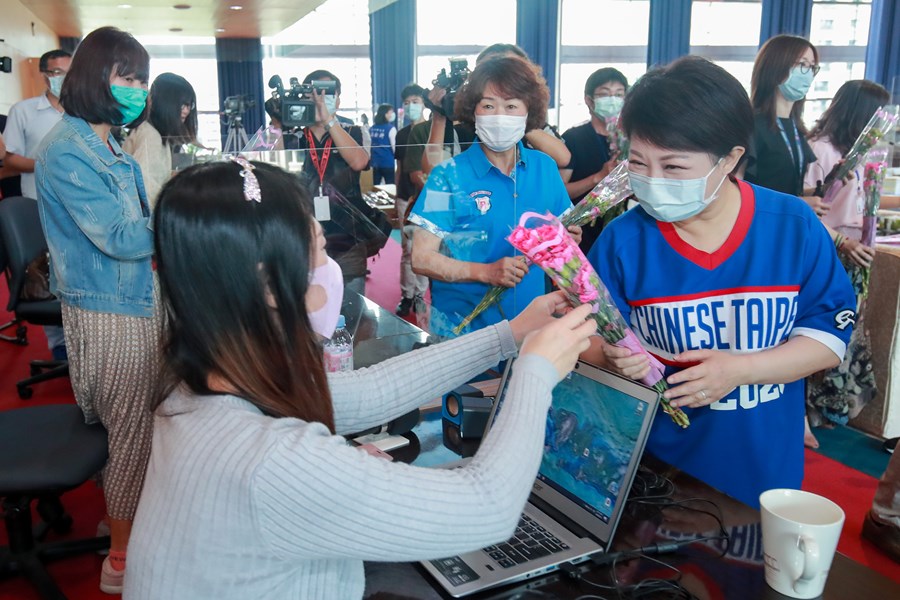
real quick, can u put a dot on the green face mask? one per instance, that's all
(131, 101)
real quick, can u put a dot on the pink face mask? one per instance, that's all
(330, 277)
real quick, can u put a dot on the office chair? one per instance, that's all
(23, 239)
(44, 452)
(19, 338)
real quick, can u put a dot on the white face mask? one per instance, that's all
(671, 200)
(500, 132)
(331, 103)
(608, 106)
(330, 277)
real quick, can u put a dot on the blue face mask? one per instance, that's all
(413, 111)
(55, 82)
(671, 200)
(131, 102)
(797, 84)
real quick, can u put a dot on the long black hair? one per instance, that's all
(771, 68)
(853, 105)
(168, 94)
(219, 257)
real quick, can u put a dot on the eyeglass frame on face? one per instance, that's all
(189, 105)
(55, 73)
(806, 68)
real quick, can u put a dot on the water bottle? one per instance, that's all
(339, 349)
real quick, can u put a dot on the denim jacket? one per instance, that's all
(93, 209)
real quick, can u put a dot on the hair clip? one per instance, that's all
(251, 183)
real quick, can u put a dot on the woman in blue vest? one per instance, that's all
(384, 139)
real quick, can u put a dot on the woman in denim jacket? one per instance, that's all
(95, 216)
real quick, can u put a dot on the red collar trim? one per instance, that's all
(738, 233)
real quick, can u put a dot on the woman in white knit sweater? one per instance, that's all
(171, 122)
(251, 492)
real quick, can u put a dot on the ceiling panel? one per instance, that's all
(257, 18)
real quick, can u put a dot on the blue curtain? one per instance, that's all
(537, 32)
(239, 63)
(883, 51)
(392, 47)
(785, 16)
(670, 31)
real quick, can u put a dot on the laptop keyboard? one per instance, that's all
(529, 542)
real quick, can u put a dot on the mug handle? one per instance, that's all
(810, 549)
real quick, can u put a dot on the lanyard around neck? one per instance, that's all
(799, 146)
(314, 157)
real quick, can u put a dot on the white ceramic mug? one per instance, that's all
(800, 535)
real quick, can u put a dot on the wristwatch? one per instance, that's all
(331, 124)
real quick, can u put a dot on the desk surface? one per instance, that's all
(704, 570)
(379, 334)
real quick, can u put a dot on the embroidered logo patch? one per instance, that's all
(482, 200)
(844, 318)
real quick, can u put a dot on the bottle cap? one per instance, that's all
(341, 322)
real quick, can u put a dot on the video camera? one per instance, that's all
(235, 105)
(295, 103)
(459, 72)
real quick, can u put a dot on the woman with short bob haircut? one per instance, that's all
(782, 75)
(95, 216)
(172, 122)
(735, 288)
(462, 247)
(251, 491)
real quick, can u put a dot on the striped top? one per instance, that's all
(240, 505)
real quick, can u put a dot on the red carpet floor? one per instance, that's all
(79, 577)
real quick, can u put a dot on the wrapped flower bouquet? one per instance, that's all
(610, 192)
(548, 245)
(882, 123)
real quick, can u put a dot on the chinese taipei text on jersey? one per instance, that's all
(776, 276)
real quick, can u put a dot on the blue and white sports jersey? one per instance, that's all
(775, 277)
(473, 206)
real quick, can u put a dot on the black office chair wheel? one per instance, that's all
(25, 392)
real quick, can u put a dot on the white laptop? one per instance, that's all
(596, 431)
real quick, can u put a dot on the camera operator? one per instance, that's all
(334, 157)
(543, 138)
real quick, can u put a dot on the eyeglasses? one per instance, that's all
(805, 68)
(54, 73)
(190, 106)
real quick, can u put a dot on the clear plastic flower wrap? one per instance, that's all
(873, 180)
(610, 192)
(548, 245)
(879, 126)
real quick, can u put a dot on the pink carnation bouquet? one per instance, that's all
(610, 192)
(873, 180)
(618, 143)
(550, 247)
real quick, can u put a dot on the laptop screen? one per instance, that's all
(595, 433)
(590, 438)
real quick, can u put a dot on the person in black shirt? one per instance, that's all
(412, 286)
(604, 94)
(334, 157)
(782, 74)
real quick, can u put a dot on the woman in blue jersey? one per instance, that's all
(736, 288)
(384, 143)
